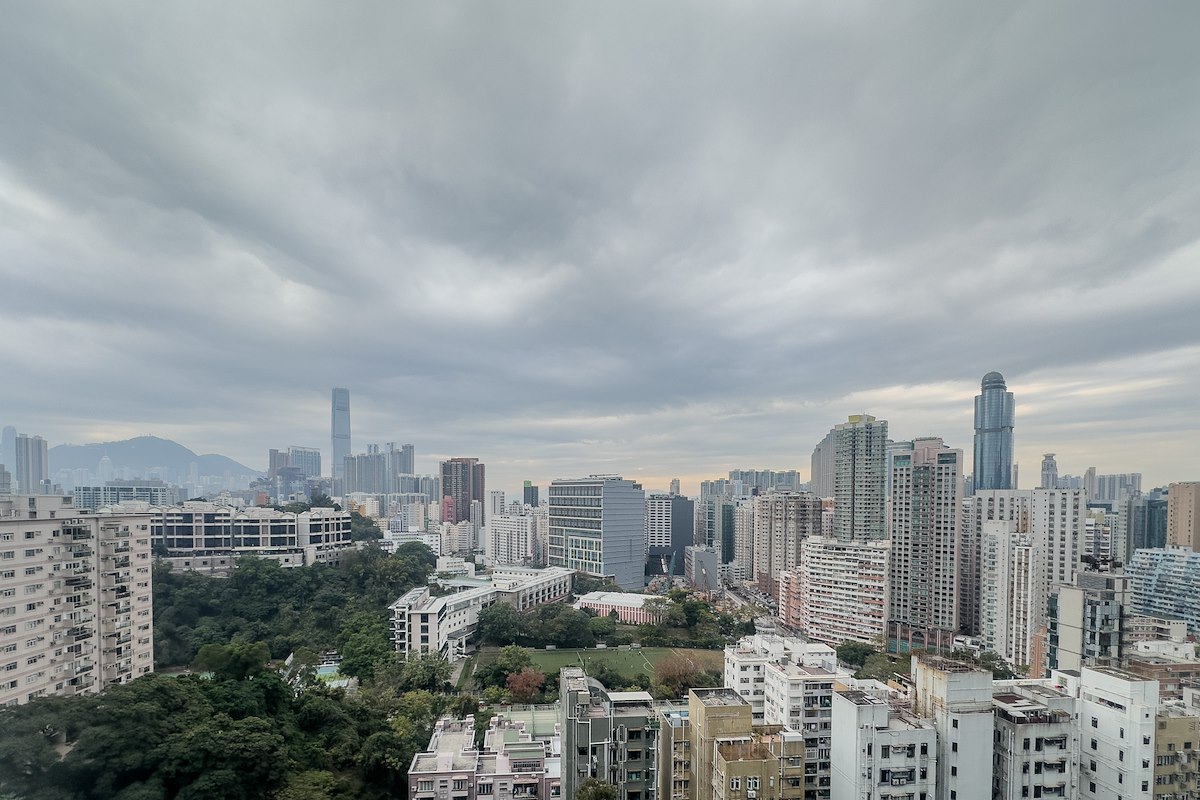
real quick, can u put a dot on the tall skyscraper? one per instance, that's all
(530, 495)
(923, 567)
(462, 483)
(8, 447)
(340, 433)
(994, 412)
(597, 526)
(408, 459)
(33, 464)
(821, 482)
(1049, 472)
(860, 450)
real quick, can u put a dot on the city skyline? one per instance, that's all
(540, 238)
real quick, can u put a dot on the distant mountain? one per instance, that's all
(143, 453)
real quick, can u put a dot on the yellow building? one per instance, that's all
(1176, 753)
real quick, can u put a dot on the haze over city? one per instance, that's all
(566, 243)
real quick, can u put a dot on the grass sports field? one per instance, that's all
(627, 662)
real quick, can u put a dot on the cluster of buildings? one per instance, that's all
(789, 724)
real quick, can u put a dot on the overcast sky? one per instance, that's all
(658, 239)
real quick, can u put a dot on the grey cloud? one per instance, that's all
(677, 238)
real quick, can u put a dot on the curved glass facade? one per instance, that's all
(994, 412)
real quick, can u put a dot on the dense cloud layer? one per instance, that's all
(661, 240)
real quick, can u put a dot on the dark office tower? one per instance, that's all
(8, 447)
(994, 410)
(340, 433)
(531, 494)
(276, 460)
(462, 483)
(33, 464)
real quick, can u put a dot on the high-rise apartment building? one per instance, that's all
(859, 460)
(512, 538)
(462, 484)
(276, 460)
(957, 699)
(994, 413)
(597, 526)
(1183, 515)
(1055, 518)
(782, 521)
(75, 599)
(743, 540)
(821, 482)
(923, 564)
(843, 580)
(715, 528)
(843, 590)
(33, 464)
(8, 447)
(1049, 472)
(1165, 582)
(670, 527)
(1013, 594)
(306, 459)
(408, 460)
(339, 427)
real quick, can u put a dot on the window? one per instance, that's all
(751, 783)
(1095, 722)
(954, 747)
(426, 786)
(953, 770)
(954, 723)
(1093, 744)
(735, 783)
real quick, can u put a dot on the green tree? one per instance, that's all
(854, 654)
(594, 789)
(500, 624)
(363, 528)
(365, 645)
(236, 661)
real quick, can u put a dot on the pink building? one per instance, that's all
(629, 607)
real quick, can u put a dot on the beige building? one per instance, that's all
(75, 599)
(1183, 515)
(768, 767)
(1176, 752)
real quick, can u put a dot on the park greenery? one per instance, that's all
(683, 621)
(237, 727)
(224, 718)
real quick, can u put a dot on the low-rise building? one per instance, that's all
(512, 765)
(628, 606)
(211, 537)
(422, 623)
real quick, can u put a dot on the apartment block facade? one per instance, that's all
(76, 602)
